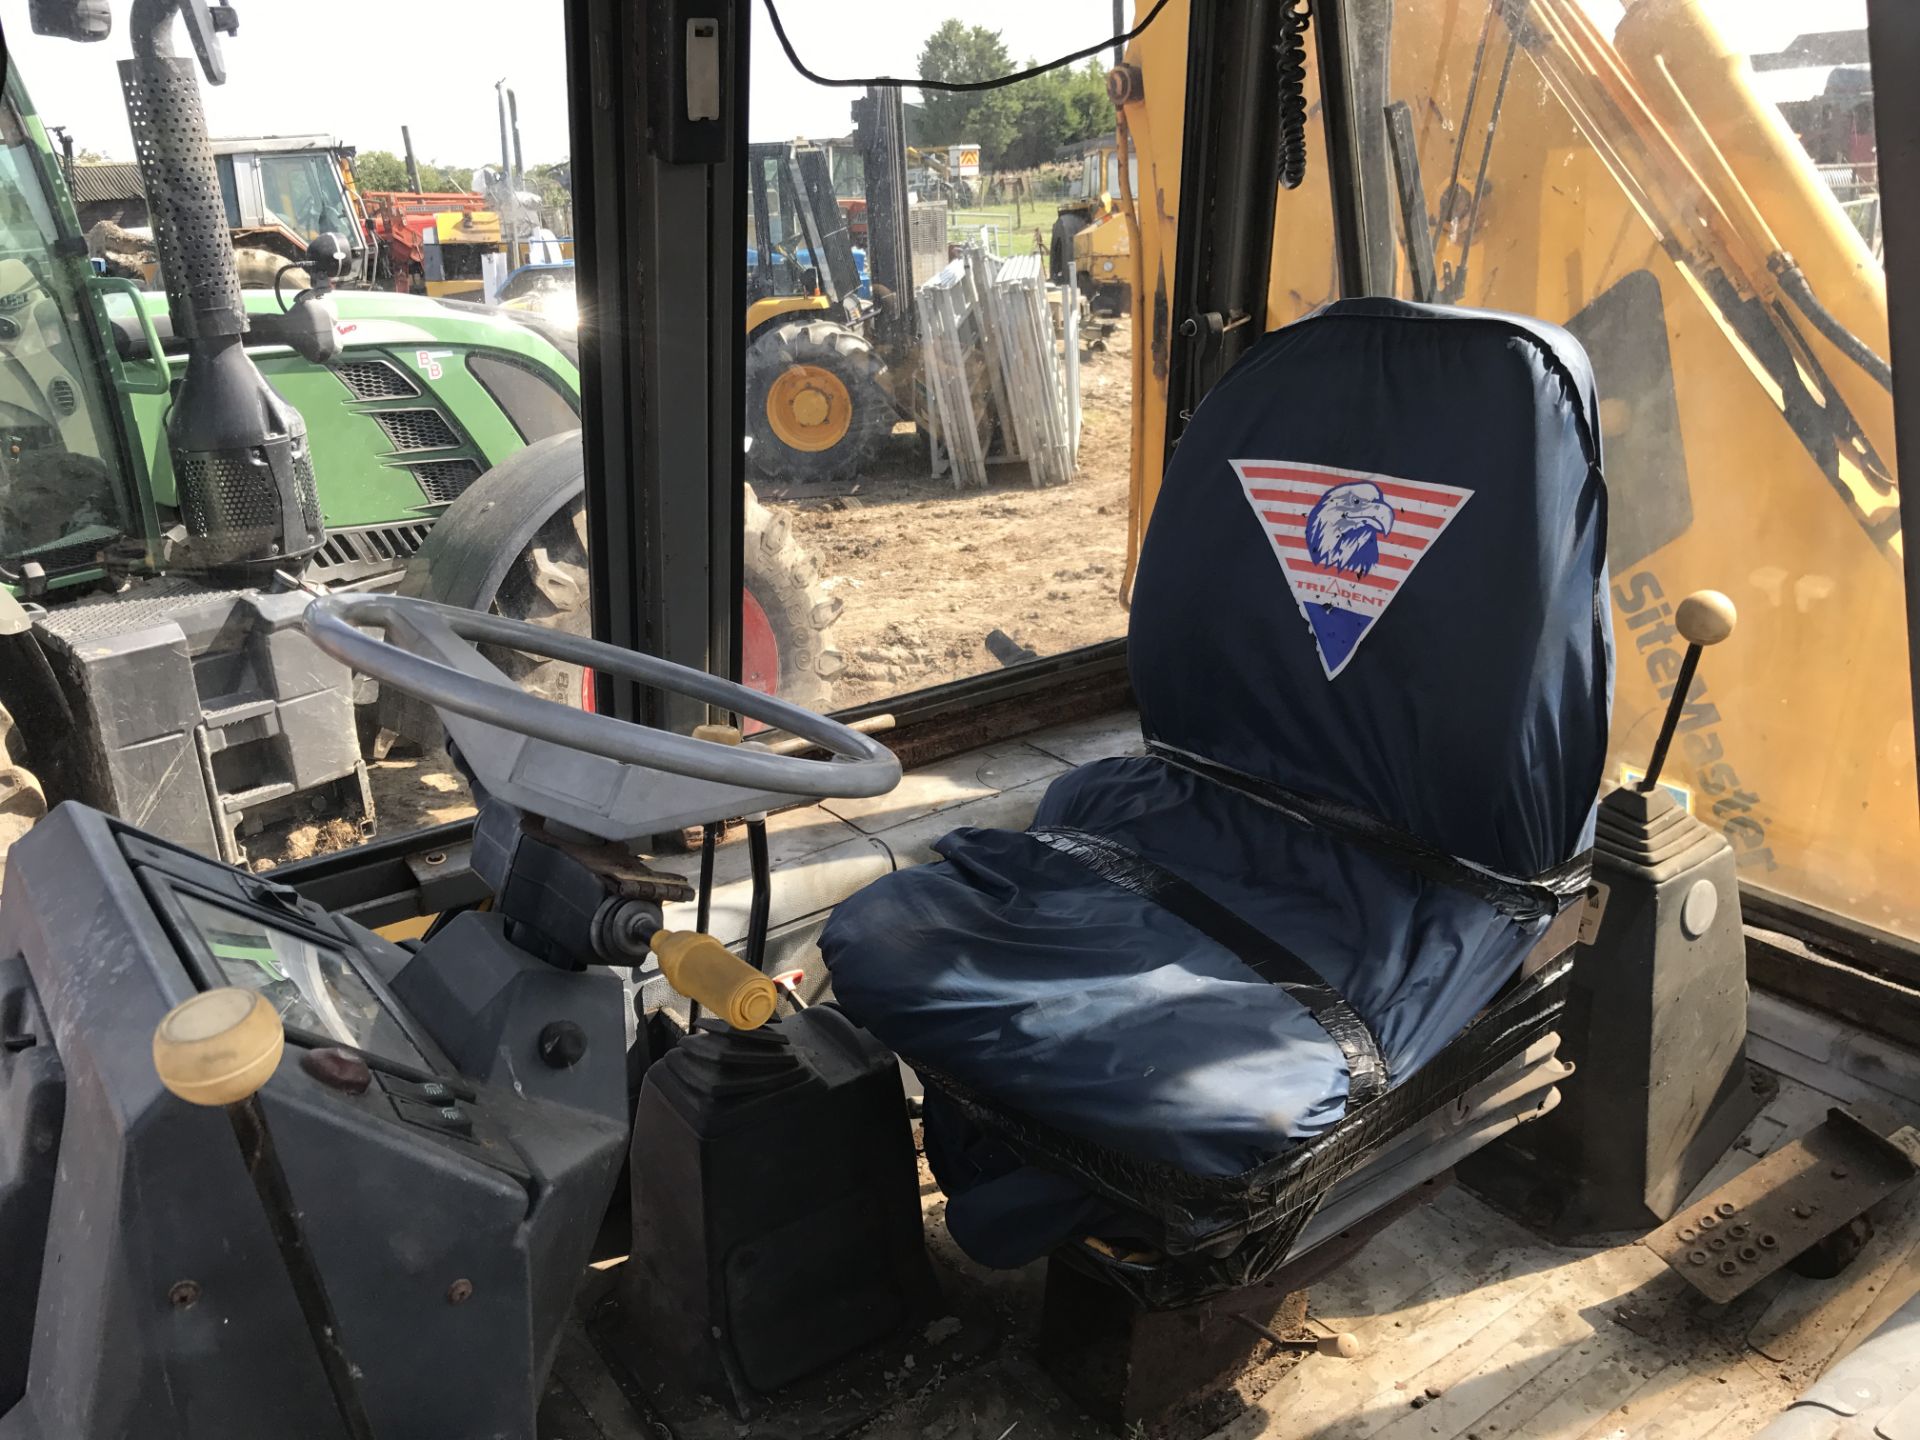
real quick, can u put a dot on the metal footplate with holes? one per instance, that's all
(1727, 1242)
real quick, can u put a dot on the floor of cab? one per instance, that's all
(1473, 1326)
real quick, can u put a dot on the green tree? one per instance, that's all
(380, 170)
(1086, 91)
(961, 53)
(1016, 126)
(1043, 116)
(384, 170)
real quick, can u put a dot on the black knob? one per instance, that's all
(562, 1044)
(338, 1069)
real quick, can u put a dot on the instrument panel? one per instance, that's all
(322, 996)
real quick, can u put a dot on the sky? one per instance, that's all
(375, 65)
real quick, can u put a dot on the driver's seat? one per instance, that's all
(1371, 652)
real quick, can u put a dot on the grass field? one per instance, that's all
(1011, 225)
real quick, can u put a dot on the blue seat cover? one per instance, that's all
(1376, 575)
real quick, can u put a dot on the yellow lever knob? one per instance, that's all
(1705, 617)
(219, 1047)
(702, 969)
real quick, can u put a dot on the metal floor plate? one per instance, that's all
(1727, 1242)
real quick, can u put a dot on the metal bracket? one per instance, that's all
(1594, 912)
(1726, 1243)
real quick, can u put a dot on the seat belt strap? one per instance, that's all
(1367, 1077)
(1522, 898)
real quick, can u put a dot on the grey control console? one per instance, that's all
(451, 1122)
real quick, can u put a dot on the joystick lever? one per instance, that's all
(1704, 618)
(217, 1050)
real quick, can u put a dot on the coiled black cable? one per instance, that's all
(1295, 17)
(960, 87)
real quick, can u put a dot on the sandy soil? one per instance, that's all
(414, 791)
(924, 572)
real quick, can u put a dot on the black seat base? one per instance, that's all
(1182, 1373)
(1218, 1235)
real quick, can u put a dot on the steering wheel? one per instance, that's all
(436, 662)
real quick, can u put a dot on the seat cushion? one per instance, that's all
(1375, 575)
(1014, 971)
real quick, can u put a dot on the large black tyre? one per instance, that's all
(815, 408)
(1060, 253)
(548, 586)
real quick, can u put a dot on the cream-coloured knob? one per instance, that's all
(1344, 1346)
(1705, 617)
(717, 734)
(219, 1047)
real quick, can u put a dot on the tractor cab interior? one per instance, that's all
(1286, 1018)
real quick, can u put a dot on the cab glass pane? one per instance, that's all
(62, 501)
(190, 706)
(1691, 187)
(941, 358)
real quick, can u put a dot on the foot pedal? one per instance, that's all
(1808, 1189)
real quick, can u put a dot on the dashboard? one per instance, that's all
(450, 1173)
(322, 978)
(321, 996)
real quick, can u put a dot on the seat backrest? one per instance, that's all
(1376, 574)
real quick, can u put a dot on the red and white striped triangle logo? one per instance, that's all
(1346, 540)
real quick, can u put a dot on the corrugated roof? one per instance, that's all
(93, 184)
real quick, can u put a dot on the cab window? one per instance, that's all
(59, 500)
(1715, 247)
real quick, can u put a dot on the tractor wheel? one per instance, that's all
(1060, 253)
(22, 801)
(815, 409)
(786, 645)
(548, 586)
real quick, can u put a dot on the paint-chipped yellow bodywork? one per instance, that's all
(1645, 161)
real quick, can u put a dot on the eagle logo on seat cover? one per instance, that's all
(1346, 540)
(1345, 525)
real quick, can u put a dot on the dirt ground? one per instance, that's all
(924, 571)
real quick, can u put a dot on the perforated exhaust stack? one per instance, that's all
(241, 465)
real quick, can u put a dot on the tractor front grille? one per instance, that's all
(441, 481)
(364, 552)
(417, 429)
(376, 380)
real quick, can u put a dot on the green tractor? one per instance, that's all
(164, 515)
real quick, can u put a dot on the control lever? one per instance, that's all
(1704, 618)
(703, 969)
(1343, 1346)
(218, 1049)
